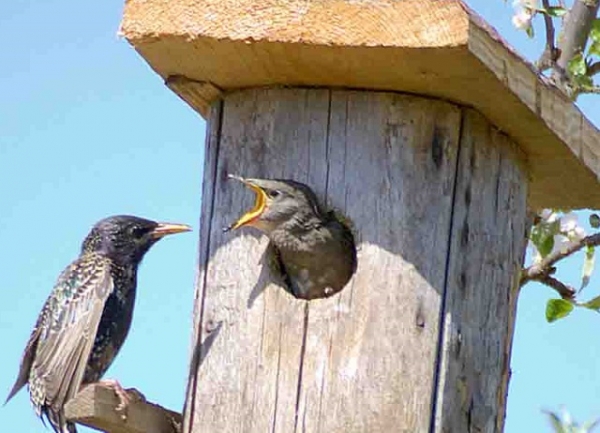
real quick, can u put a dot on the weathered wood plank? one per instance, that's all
(95, 406)
(246, 379)
(210, 173)
(486, 254)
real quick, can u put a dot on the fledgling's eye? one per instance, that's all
(273, 193)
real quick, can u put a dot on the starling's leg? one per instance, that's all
(126, 396)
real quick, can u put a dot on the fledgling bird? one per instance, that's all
(316, 251)
(87, 316)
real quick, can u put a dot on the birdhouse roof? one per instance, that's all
(441, 49)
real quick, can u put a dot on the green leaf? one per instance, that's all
(557, 309)
(546, 246)
(588, 267)
(542, 236)
(529, 31)
(556, 422)
(577, 65)
(595, 31)
(554, 11)
(594, 49)
(592, 304)
(595, 220)
(590, 425)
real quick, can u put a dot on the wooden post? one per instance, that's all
(421, 336)
(416, 121)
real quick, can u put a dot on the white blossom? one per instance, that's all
(568, 222)
(566, 231)
(561, 243)
(522, 19)
(569, 226)
(549, 215)
(524, 12)
(545, 214)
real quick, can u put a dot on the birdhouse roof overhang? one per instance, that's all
(202, 48)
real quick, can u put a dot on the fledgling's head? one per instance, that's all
(277, 202)
(127, 238)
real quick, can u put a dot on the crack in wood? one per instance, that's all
(436, 392)
(276, 404)
(301, 364)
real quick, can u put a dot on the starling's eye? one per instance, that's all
(138, 232)
(273, 193)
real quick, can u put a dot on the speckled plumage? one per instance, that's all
(87, 316)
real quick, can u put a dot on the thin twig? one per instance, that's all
(563, 290)
(593, 69)
(549, 56)
(546, 266)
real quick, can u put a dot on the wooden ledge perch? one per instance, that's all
(96, 405)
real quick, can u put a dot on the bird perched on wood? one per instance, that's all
(316, 251)
(87, 316)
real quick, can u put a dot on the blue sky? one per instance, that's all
(88, 130)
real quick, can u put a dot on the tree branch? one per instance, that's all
(575, 33)
(593, 69)
(545, 267)
(550, 54)
(563, 290)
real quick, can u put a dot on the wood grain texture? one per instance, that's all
(198, 349)
(433, 48)
(95, 407)
(327, 22)
(369, 358)
(486, 255)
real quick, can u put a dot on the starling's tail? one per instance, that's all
(16, 388)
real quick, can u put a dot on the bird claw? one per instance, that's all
(125, 396)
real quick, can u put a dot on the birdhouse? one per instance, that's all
(416, 122)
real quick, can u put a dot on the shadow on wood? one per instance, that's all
(96, 405)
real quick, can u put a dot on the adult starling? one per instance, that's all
(87, 316)
(316, 251)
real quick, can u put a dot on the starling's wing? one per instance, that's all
(27, 359)
(69, 328)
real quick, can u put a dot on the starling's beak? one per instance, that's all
(164, 229)
(258, 208)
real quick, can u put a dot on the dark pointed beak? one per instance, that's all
(164, 229)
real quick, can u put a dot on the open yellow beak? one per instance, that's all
(258, 208)
(164, 229)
